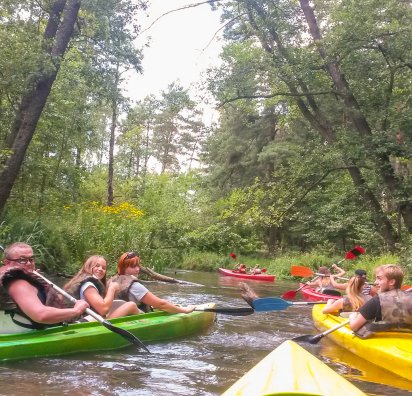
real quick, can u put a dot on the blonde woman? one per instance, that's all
(89, 284)
(353, 299)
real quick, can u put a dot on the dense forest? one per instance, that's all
(312, 151)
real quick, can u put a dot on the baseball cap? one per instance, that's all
(360, 272)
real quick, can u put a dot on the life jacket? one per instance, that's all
(74, 288)
(126, 282)
(46, 294)
(396, 309)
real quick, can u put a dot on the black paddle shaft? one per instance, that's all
(316, 338)
(243, 311)
(126, 334)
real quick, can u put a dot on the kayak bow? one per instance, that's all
(291, 370)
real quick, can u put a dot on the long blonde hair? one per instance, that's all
(354, 291)
(86, 270)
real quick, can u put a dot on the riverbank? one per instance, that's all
(281, 265)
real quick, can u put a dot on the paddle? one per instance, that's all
(229, 311)
(350, 255)
(278, 304)
(315, 339)
(305, 272)
(291, 294)
(124, 333)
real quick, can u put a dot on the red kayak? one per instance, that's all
(310, 294)
(258, 277)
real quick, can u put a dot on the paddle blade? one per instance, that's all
(270, 304)
(355, 252)
(309, 338)
(297, 270)
(125, 334)
(290, 295)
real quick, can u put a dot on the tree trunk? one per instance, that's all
(163, 278)
(272, 238)
(33, 102)
(382, 223)
(113, 127)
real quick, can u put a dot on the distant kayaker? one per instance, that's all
(241, 268)
(353, 299)
(130, 289)
(367, 288)
(391, 308)
(89, 284)
(255, 270)
(25, 299)
(324, 283)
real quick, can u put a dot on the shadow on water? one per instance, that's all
(204, 364)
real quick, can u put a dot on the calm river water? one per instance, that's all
(204, 364)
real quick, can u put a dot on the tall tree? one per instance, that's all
(177, 128)
(58, 32)
(310, 76)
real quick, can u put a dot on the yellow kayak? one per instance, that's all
(391, 350)
(291, 370)
(360, 369)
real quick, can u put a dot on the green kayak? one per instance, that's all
(291, 370)
(93, 336)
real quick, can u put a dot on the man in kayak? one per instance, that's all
(25, 299)
(390, 309)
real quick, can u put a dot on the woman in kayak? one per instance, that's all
(353, 300)
(89, 284)
(255, 270)
(130, 289)
(241, 268)
(324, 283)
(367, 288)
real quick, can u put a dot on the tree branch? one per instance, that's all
(268, 96)
(179, 9)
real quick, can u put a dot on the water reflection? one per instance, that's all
(205, 364)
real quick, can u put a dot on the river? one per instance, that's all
(205, 364)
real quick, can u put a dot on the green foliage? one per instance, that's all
(49, 247)
(92, 227)
(201, 261)
(217, 238)
(275, 181)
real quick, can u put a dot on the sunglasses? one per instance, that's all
(130, 255)
(23, 260)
